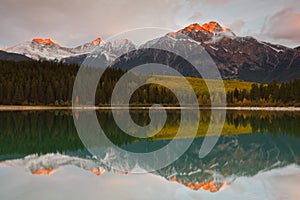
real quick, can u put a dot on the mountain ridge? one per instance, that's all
(47, 49)
(12, 56)
(236, 57)
(243, 58)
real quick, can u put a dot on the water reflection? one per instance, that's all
(251, 142)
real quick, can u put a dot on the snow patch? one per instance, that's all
(214, 48)
(273, 48)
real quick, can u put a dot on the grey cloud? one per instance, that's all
(283, 25)
(74, 20)
(195, 17)
(237, 25)
(209, 2)
(217, 2)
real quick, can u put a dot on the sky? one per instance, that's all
(75, 22)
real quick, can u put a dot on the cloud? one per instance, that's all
(217, 2)
(195, 17)
(80, 21)
(237, 25)
(74, 22)
(209, 2)
(283, 25)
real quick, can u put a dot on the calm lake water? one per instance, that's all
(256, 157)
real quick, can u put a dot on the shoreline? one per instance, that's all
(255, 108)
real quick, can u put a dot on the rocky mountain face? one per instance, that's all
(243, 58)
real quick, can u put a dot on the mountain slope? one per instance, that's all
(242, 58)
(47, 49)
(104, 54)
(12, 56)
(248, 59)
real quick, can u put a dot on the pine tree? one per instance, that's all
(49, 95)
(18, 98)
(1, 94)
(33, 96)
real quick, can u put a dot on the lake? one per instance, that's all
(257, 156)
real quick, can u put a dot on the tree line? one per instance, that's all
(276, 94)
(50, 83)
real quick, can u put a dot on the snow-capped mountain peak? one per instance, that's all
(120, 45)
(210, 32)
(41, 49)
(210, 27)
(214, 27)
(90, 46)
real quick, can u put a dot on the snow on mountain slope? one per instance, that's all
(50, 163)
(236, 57)
(46, 49)
(105, 54)
(90, 46)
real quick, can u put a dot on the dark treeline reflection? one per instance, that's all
(28, 132)
(140, 117)
(263, 121)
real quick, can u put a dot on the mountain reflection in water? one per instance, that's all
(251, 142)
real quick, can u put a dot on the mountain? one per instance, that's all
(243, 58)
(47, 49)
(105, 53)
(12, 56)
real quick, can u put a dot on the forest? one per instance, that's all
(273, 94)
(50, 83)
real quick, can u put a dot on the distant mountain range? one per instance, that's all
(243, 58)
(47, 49)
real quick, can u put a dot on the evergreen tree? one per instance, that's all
(49, 95)
(18, 98)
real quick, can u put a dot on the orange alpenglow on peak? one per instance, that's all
(195, 27)
(214, 26)
(44, 171)
(207, 27)
(97, 41)
(98, 172)
(43, 41)
(208, 185)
